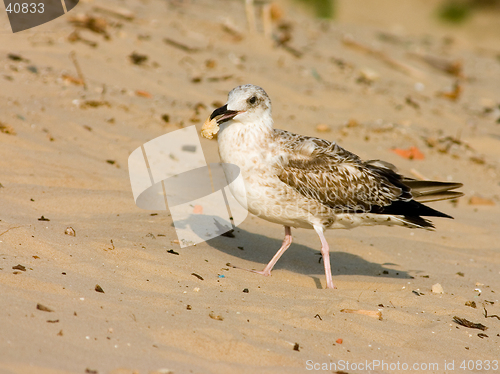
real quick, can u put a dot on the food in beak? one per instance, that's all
(219, 115)
(210, 128)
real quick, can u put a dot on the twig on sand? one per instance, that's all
(12, 228)
(250, 12)
(76, 37)
(266, 20)
(454, 67)
(393, 63)
(469, 324)
(490, 316)
(179, 45)
(370, 313)
(72, 55)
(117, 12)
(418, 175)
(229, 28)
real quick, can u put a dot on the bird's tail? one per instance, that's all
(426, 191)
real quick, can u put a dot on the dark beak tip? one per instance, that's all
(218, 112)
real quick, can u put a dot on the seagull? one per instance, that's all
(306, 182)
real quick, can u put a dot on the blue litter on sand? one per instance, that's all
(222, 276)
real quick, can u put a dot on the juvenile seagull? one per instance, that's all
(307, 182)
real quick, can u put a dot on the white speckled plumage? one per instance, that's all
(307, 182)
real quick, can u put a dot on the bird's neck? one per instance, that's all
(239, 142)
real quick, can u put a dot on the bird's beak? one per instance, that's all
(222, 114)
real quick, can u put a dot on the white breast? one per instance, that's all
(260, 191)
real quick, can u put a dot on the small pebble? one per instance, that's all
(70, 231)
(368, 75)
(437, 288)
(99, 288)
(216, 316)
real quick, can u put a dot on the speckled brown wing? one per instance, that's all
(324, 171)
(339, 179)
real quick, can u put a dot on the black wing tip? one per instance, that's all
(410, 208)
(419, 222)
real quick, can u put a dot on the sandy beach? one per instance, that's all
(90, 283)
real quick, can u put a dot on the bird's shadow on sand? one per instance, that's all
(298, 258)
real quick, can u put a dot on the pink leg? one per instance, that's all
(286, 243)
(325, 252)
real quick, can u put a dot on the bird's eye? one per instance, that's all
(252, 100)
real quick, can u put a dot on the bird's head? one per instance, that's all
(247, 104)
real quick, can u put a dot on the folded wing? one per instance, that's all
(324, 171)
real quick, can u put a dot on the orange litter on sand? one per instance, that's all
(198, 209)
(142, 93)
(71, 79)
(339, 341)
(412, 153)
